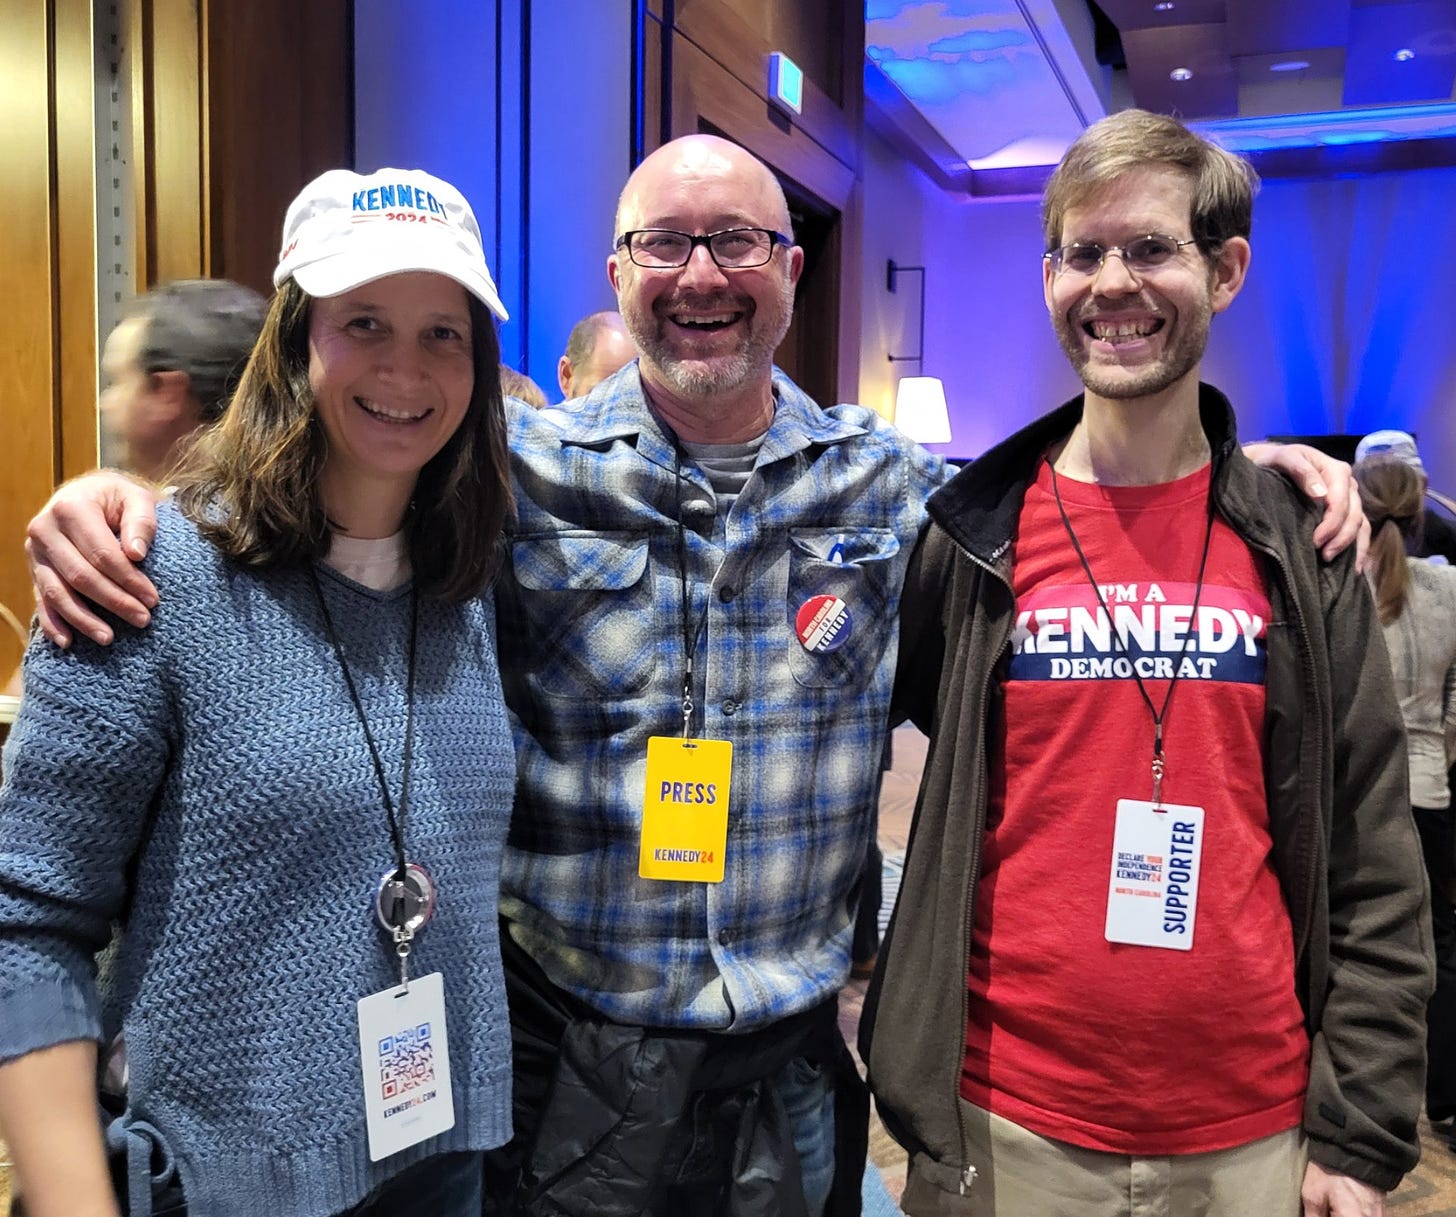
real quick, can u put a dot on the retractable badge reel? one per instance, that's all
(403, 905)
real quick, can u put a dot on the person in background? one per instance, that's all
(171, 365)
(1416, 601)
(1164, 943)
(597, 346)
(1437, 533)
(522, 388)
(266, 785)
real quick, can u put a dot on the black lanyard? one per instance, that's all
(1159, 715)
(396, 821)
(690, 635)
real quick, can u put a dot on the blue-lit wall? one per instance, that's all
(429, 94)
(1344, 326)
(580, 155)
(526, 107)
(1346, 323)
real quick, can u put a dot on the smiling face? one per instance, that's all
(391, 369)
(1131, 336)
(703, 331)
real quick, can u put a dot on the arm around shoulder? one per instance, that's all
(81, 547)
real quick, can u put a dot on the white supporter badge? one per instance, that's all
(406, 1058)
(1152, 894)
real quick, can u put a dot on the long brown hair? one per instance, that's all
(252, 488)
(1392, 494)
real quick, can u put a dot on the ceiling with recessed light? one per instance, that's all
(986, 93)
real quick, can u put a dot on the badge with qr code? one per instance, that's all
(406, 1060)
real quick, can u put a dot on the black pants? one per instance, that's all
(1438, 844)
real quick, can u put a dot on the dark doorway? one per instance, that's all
(809, 352)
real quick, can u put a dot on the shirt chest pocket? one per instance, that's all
(588, 599)
(856, 568)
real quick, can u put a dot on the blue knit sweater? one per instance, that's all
(207, 781)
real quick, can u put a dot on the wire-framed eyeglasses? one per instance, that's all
(1140, 255)
(730, 248)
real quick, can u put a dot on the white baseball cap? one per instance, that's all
(346, 229)
(1400, 444)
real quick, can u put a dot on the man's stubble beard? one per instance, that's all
(1176, 362)
(718, 374)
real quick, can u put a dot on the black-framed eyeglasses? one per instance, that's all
(730, 248)
(1140, 255)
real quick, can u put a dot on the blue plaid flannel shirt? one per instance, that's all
(591, 647)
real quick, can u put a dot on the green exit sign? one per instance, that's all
(786, 82)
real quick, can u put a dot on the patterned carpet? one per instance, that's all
(1429, 1191)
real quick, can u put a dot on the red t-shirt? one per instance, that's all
(1131, 1049)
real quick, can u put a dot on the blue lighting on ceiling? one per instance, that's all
(1338, 138)
(1367, 125)
(939, 81)
(979, 42)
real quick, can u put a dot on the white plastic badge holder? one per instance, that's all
(405, 1055)
(1152, 892)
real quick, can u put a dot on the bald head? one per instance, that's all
(597, 346)
(703, 160)
(705, 333)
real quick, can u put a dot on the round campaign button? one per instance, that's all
(823, 624)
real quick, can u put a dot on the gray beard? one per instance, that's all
(722, 374)
(696, 378)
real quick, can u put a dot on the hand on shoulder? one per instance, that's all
(82, 547)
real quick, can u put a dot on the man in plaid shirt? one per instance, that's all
(700, 470)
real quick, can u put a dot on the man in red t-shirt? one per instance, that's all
(1161, 948)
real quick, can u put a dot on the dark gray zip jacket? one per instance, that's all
(1345, 847)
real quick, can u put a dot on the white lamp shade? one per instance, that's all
(920, 410)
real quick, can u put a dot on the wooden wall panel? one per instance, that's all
(28, 387)
(172, 143)
(724, 33)
(232, 108)
(654, 76)
(75, 250)
(808, 31)
(703, 91)
(279, 112)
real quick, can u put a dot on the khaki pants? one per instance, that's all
(1021, 1174)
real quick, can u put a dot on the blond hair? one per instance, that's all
(1223, 184)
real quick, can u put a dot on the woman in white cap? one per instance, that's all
(293, 788)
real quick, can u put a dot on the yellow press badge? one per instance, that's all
(685, 809)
